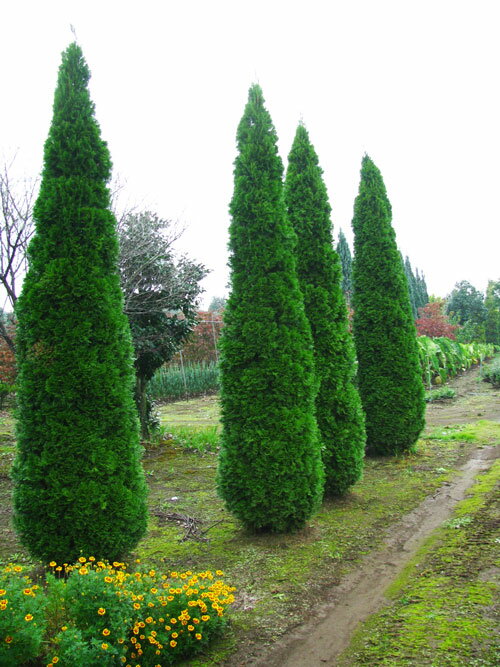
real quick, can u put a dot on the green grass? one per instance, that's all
(442, 611)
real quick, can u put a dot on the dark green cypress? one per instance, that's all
(79, 485)
(389, 379)
(412, 287)
(270, 471)
(338, 407)
(344, 253)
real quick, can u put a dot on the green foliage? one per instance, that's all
(79, 484)
(101, 615)
(192, 438)
(161, 293)
(492, 304)
(338, 406)
(439, 394)
(22, 617)
(170, 383)
(388, 366)
(466, 304)
(491, 373)
(442, 358)
(270, 470)
(344, 253)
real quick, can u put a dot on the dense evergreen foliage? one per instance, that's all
(417, 288)
(344, 252)
(492, 304)
(388, 372)
(270, 470)
(338, 406)
(79, 482)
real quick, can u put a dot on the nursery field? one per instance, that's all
(284, 581)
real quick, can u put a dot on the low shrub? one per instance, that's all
(22, 617)
(439, 394)
(95, 614)
(491, 373)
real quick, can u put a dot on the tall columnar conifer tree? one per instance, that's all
(344, 253)
(388, 372)
(270, 471)
(338, 407)
(79, 483)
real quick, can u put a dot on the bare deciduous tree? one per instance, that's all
(16, 229)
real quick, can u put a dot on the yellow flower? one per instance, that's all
(2, 591)
(82, 559)
(28, 617)
(151, 604)
(174, 575)
(190, 628)
(108, 580)
(173, 644)
(205, 617)
(83, 570)
(104, 646)
(8, 639)
(101, 611)
(106, 632)
(26, 591)
(175, 635)
(64, 628)
(18, 568)
(219, 573)
(197, 635)
(91, 559)
(151, 573)
(52, 563)
(149, 619)
(55, 660)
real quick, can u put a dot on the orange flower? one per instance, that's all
(8, 639)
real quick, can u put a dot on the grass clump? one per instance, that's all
(97, 614)
(200, 439)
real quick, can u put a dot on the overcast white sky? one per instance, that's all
(412, 83)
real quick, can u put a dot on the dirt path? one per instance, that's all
(361, 593)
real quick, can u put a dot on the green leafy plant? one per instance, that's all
(22, 617)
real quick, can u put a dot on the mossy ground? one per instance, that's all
(444, 609)
(280, 578)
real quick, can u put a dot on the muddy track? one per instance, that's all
(361, 593)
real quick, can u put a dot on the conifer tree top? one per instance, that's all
(74, 124)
